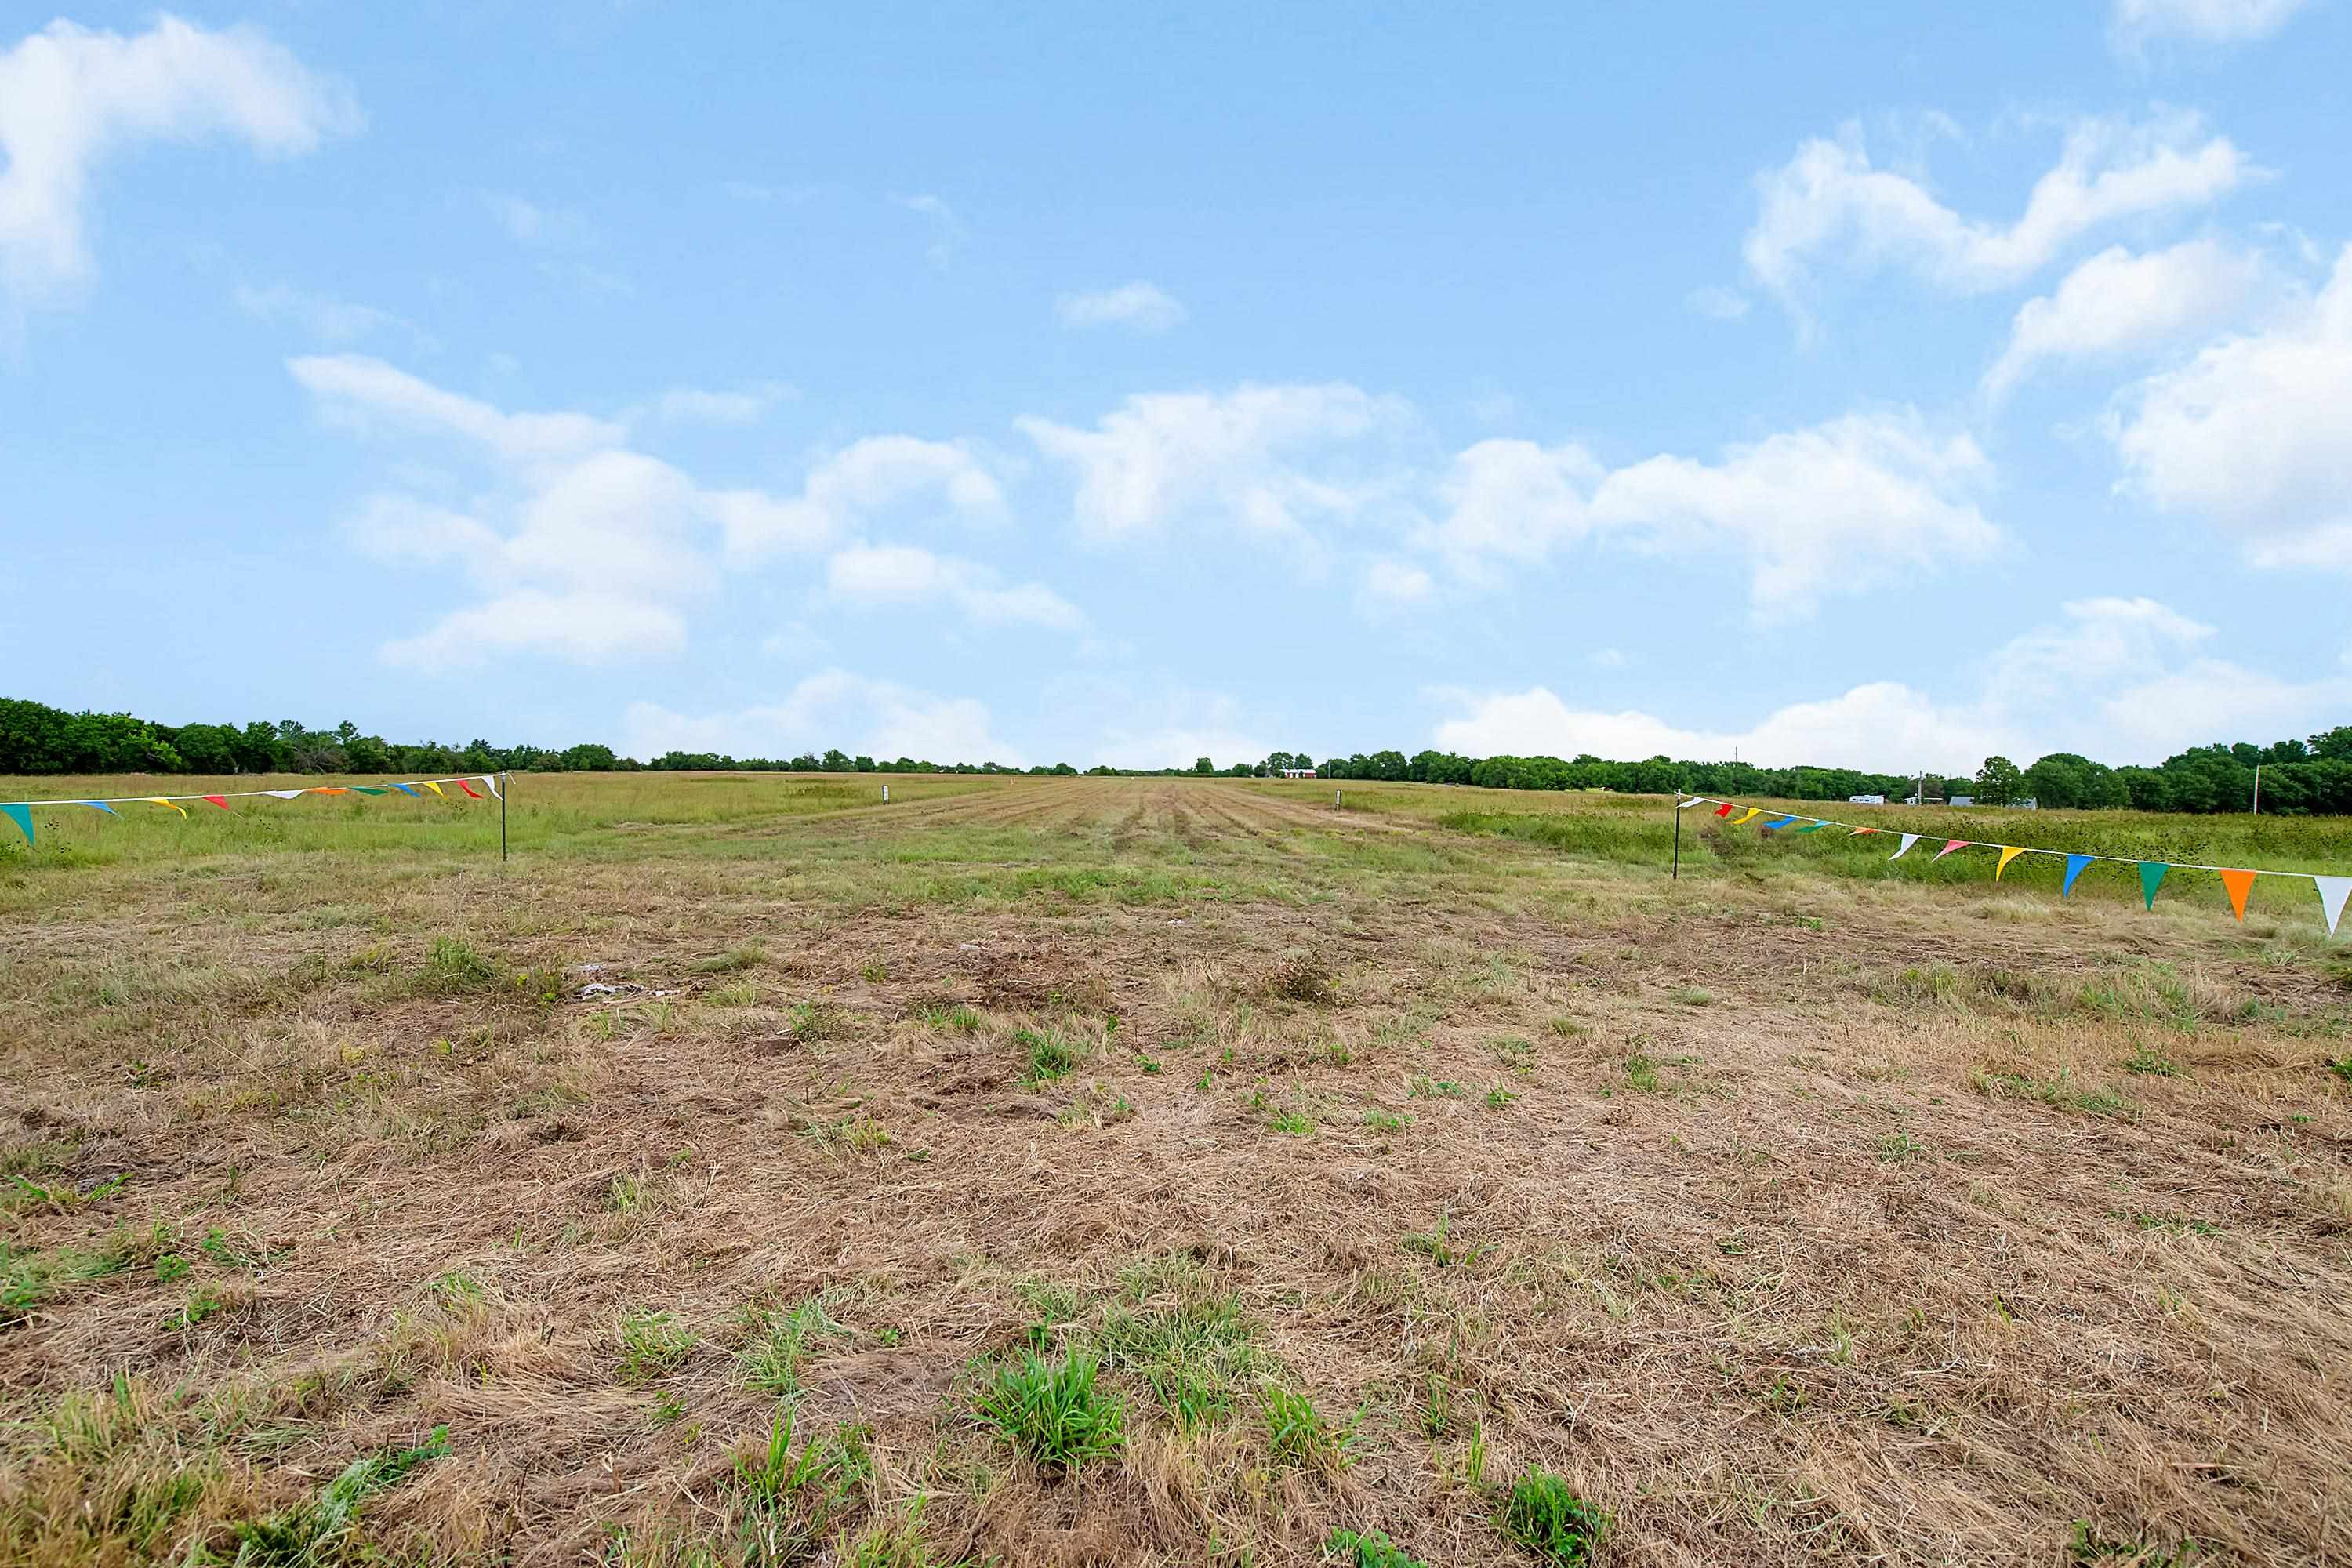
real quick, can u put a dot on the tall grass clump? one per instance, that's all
(1051, 1412)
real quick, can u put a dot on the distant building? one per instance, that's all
(1963, 800)
(1866, 800)
(1298, 773)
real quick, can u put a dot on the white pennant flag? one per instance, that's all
(1908, 840)
(2331, 893)
(280, 793)
(1681, 805)
(492, 782)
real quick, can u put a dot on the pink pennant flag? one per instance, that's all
(1954, 844)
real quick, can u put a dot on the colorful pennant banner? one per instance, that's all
(2236, 882)
(20, 811)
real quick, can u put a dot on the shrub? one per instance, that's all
(1303, 977)
(1544, 1515)
(1052, 1411)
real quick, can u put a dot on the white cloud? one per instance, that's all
(1391, 584)
(2250, 434)
(588, 626)
(324, 317)
(947, 230)
(70, 96)
(1139, 306)
(2118, 680)
(865, 480)
(1839, 508)
(833, 708)
(1606, 658)
(904, 576)
(1513, 501)
(2136, 21)
(2117, 301)
(1830, 204)
(530, 223)
(1718, 303)
(697, 405)
(363, 392)
(1271, 458)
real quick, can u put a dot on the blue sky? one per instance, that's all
(1876, 385)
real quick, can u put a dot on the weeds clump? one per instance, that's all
(319, 1530)
(1298, 1435)
(453, 967)
(1051, 1412)
(781, 1340)
(652, 1345)
(1544, 1514)
(1368, 1550)
(1197, 1356)
(1437, 1244)
(790, 1501)
(1303, 977)
(746, 956)
(2147, 1061)
(819, 1021)
(1051, 1054)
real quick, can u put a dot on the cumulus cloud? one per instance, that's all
(832, 708)
(593, 551)
(2249, 435)
(1716, 302)
(1271, 458)
(2137, 22)
(322, 316)
(2117, 301)
(71, 97)
(1839, 507)
(699, 406)
(2125, 680)
(1829, 205)
(906, 576)
(1391, 584)
(1140, 307)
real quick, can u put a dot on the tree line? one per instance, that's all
(2308, 776)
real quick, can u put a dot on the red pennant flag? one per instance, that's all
(470, 789)
(1722, 810)
(2238, 883)
(218, 801)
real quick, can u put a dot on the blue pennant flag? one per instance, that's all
(1782, 822)
(100, 806)
(22, 815)
(2075, 864)
(403, 789)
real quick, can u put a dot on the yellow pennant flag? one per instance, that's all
(1750, 814)
(159, 800)
(2007, 855)
(428, 783)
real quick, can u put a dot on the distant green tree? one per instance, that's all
(1997, 781)
(1203, 765)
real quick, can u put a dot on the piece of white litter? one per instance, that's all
(594, 989)
(588, 968)
(968, 947)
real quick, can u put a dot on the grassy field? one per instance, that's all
(1092, 1170)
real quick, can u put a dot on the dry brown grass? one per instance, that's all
(1791, 1222)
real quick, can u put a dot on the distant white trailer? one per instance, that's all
(1298, 773)
(1866, 800)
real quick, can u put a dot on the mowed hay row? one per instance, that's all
(1152, 1171)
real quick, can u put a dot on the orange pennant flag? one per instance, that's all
(2239, 884)
(159, 800)
(2008, 853)
(330, 790)
(428, 783)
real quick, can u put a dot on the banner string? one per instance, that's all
(20, 811)
(2237, 880)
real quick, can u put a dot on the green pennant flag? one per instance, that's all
(22, 815)
(2151, 877)
(1813, 827)
(363, 789)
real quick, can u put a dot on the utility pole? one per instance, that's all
(2258, 791)
(1678, 833)
(505, 784)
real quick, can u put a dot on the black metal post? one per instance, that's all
(1678, 834)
